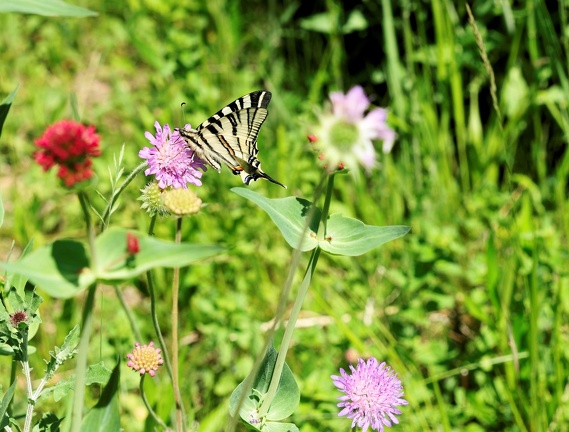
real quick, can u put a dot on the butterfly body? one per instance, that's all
(230, 137)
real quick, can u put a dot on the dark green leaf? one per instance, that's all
(6, 399)
(45, 7)
(289, 215)
(351, 237)
(104, 416)
(286, 399)
(6, 103)
(48, 423)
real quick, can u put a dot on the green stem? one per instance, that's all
(129, 316)
(180, 414)
(81, 366)
(83, 346)
(302, 291)
(282, 302)
(155, 416)
(154, 314)
(287, 337)
(117, 192)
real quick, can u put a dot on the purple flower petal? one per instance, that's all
(372, 394)
(172, 162)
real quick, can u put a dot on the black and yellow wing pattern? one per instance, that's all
(230, 137)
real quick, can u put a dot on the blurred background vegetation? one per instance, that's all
(470, 308)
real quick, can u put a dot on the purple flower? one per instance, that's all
(346, 135)
(372, 394)
(172, 162)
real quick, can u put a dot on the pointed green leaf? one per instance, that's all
(114, 262)
(104, 416)
(45, 7)
(289, 215)
(5, 107)
(4, 405)
(67, 351)
(351, 237)
(61, 269)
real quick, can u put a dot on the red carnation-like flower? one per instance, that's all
(71, 145)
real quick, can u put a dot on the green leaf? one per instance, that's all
(96, 374)
(286, 399)
(6, 399)
(5, 106)
(324, 22)
(351, 237)
(48, 423)
(45, 7)
(115, 263)
(289, 215)
(67, 351)
(280, 427)
(104, 416)
(62, 268)
(355, 22)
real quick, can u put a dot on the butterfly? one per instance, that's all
(230, 137)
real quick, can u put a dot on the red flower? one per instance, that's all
(132, 245)
(70, 145)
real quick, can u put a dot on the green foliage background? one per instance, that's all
(470, 308)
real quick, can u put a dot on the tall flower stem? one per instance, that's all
(83, 346)
(180, 413)
(154, 314)
(155, 416)
(81, 359)
(302, 291)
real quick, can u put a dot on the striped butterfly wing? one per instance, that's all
(230, 137)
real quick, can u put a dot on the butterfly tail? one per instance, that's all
(257, 174)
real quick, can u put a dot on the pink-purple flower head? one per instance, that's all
(145, 359)
(371, 395)
(172, 162)
(346, 135)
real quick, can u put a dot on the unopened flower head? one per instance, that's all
(371, 395)
(345, 135)
(182, 202)
(145, 359)
(172, 162)
(70, 145)
(18, 317)
(153, 200)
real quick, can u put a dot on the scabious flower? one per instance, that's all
(345, 135)
(372, 395)
(172, 162)
(71, 145)
(145, 359)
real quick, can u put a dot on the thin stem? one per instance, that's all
(27, 374)
(180, 414)
(129, 316)
(86, 322)
(287, 337)
(81, 366)
(117, 192)
(155, 416)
